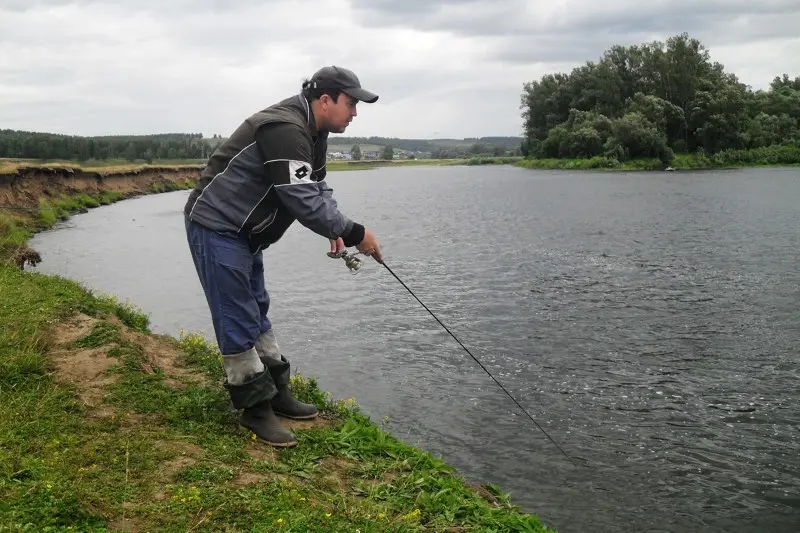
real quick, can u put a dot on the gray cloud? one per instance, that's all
(471, 17)
(583, 29)
(445, 68)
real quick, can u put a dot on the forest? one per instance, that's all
(656, 100)
(167, 146)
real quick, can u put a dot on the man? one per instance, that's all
(268, 174)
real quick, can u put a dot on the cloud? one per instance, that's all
(448, 68)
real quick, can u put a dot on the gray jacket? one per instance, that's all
(269, 173)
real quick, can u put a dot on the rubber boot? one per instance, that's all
(253, 397)
(286, 406)
(283, 403)
(261, 420)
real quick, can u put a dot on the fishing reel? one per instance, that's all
(352, 262)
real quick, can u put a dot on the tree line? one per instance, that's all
(35, 145)
(652, 101)
(429, 145)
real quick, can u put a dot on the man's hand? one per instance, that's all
(369, 246)
(337, 245)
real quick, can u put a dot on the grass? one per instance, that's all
(148, 441)
(588, 164)
(766, 156)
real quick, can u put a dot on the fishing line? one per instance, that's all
(479, 363)
(354, 264)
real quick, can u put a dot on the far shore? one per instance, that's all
(680, 162)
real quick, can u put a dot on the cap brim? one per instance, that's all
(361, 95)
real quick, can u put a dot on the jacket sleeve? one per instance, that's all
(287, 154)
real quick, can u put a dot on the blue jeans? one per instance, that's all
(233, 281)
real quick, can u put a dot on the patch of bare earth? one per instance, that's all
(130, 525)
(314, 423)
(251, 478)
(386, 477)
(87, 368)
(161, 353)
(259, 452)
(336, 469)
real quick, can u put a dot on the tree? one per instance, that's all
(661, 90)
(355, 152)
(388, 152)
(667, 117)
(637, 137)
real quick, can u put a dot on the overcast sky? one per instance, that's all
(452, 68)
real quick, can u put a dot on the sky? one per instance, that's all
(451, 68)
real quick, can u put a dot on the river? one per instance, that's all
(648, 321)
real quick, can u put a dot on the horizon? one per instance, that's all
(211, 136)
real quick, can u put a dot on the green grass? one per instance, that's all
(154, 449)
(487, 160)
(571, 164)
(767, 156)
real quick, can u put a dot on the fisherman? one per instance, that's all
(269, 173)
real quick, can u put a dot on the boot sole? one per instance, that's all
(306, 417)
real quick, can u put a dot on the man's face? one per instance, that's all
(339, 114)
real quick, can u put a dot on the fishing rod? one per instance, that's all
(355, 264)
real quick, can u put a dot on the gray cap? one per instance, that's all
(343, 79)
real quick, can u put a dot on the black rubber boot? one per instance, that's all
(283, 403)
(261, 420)
(258, 416)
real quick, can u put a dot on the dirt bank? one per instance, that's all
(26, 186)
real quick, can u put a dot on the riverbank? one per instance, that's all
(24, 183)
(108, 168)
(106, 426)
(773, 156)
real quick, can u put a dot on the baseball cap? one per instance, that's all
(345, 80)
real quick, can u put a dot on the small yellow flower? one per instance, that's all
(381, 516)
(254, 436)
(327, 515)
(279, 521)
(413, 515)
(49, 486)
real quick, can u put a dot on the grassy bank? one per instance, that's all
(769, 156)
(107, 427)
(10, 166)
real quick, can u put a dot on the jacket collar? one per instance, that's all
(309, 113)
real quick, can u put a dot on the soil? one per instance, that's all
(27, 185)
